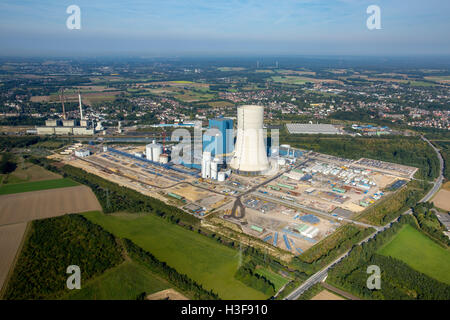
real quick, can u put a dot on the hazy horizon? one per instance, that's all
(226, 28)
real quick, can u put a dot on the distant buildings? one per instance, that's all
(66, 127)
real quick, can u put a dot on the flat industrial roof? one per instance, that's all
(311, 128)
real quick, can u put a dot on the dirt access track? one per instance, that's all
(27, 206)
(168, 294)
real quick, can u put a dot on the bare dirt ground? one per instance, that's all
(23, 207)
(442, 199)
(326, 295)
(168, 294)
(10, 239)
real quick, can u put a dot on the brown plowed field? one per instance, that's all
(326, 295)
(27, 206)
(10, 239)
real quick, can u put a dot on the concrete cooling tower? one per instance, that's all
(250, 156)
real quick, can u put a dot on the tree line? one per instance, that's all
(249, 277)
(400, 281)
(181, 281)
(326, 251)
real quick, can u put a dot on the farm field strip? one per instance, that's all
(10, 239)
(209, 263)
(27, 206)
(420, 252)
(36, 186)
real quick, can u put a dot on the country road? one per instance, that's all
(320, 275)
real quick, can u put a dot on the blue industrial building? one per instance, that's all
(221, 142)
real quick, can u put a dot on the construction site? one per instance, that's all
(287, 197)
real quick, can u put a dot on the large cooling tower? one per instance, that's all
(250, 156)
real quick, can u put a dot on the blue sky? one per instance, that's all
(171, 27)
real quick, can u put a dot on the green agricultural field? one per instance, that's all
(204, 260)
(291, 79)
(182, 82)
(37, 185)
(225, 69)
(420, 252)
(220, 104)
(277, 279)
(124, 282)
(190, 96)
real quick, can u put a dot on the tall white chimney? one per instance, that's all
(81, 107)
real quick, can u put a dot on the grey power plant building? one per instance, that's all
(69, 126)
(250, 155)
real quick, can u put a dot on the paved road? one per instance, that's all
(439, 180)
(320, 275)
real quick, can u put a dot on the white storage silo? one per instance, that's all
(214, 168)
(206, 165)
(250, 155)
(148, 152)
(153, 151)
(221, 176)
(156, 152)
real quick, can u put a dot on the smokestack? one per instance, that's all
(81, 107)
(61, 96)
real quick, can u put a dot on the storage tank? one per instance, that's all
(164, 158)
(206, 165)
(214, 169)
(250, 156)
(221, 176)
(153, 151)
(148, 152)
(156, 152)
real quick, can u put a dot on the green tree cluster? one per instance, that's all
(54, 244)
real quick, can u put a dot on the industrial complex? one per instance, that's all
(283, 197)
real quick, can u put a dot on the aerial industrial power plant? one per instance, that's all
(243, 151)
(286, 197)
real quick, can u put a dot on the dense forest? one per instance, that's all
(54, 244)
(400, 281)
(7, 163)
(7, 143)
